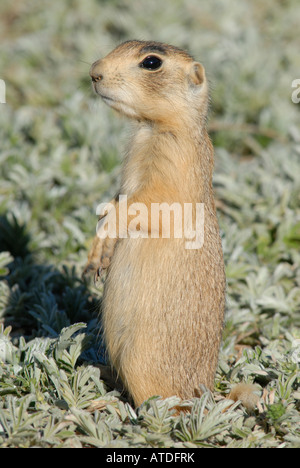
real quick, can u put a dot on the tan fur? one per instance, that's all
(246, 393)
(163, 304)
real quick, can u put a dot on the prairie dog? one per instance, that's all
(163, 302)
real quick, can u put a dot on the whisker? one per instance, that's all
(83, 61)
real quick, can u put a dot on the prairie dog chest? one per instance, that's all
(137, 171)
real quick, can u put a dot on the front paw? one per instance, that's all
(92, 269)
(93, 265)
(99, 257)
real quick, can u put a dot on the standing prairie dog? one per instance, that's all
(163, 302)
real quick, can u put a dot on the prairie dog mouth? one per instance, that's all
(106, 98)
(118, 105)
(102, 95)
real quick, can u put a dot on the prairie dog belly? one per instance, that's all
(161, 323)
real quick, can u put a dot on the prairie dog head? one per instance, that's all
(151, 81)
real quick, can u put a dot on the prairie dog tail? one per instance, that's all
(246, 393)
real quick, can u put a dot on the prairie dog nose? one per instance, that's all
(95, 72)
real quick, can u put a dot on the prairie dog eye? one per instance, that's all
(151, 62)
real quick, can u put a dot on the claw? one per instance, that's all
(98, 274)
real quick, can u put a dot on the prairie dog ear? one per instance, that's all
(197, 73)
